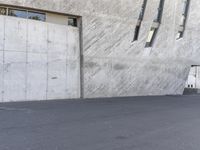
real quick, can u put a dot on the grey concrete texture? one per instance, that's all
(38, 60)
(135, 123)
(113, 65)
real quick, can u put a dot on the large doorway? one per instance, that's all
(38, 60)
(193, 82)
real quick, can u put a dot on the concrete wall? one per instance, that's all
(38, 60)
(56, 18)
(113, 65)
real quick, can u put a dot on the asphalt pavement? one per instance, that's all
(134, 123)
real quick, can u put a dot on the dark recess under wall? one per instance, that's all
(190, 91)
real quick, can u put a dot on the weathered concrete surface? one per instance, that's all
(113, 65)
(38, 60)
(140, 123)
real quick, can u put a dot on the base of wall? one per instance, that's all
(189, 91)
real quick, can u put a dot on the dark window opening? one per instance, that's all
(3, 11)
(72, 22)
(36, 16)
(156, 25)
(141, 16)
(186, 4)
(17, 13)
(136, 35)
(159, 12)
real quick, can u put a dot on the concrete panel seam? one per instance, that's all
(26, 76)
(81, 58)
(4, 24)
(47, 82)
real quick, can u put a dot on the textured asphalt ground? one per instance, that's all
(138, 123)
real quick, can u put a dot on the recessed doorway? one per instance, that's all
(193, 82)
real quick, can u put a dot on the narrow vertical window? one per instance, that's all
(152, 34)
(158, 17)
(156, 24)
(139, 22)
(182, 25)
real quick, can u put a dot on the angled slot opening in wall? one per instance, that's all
(139, 22)
(152, 34)
(137, 31)
(184, 16)
(156, 24)
(151, 37)
(192, 85)
(158, 17)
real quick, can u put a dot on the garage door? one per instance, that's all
(38, 60)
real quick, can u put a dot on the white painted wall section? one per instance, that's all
(194, 78)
